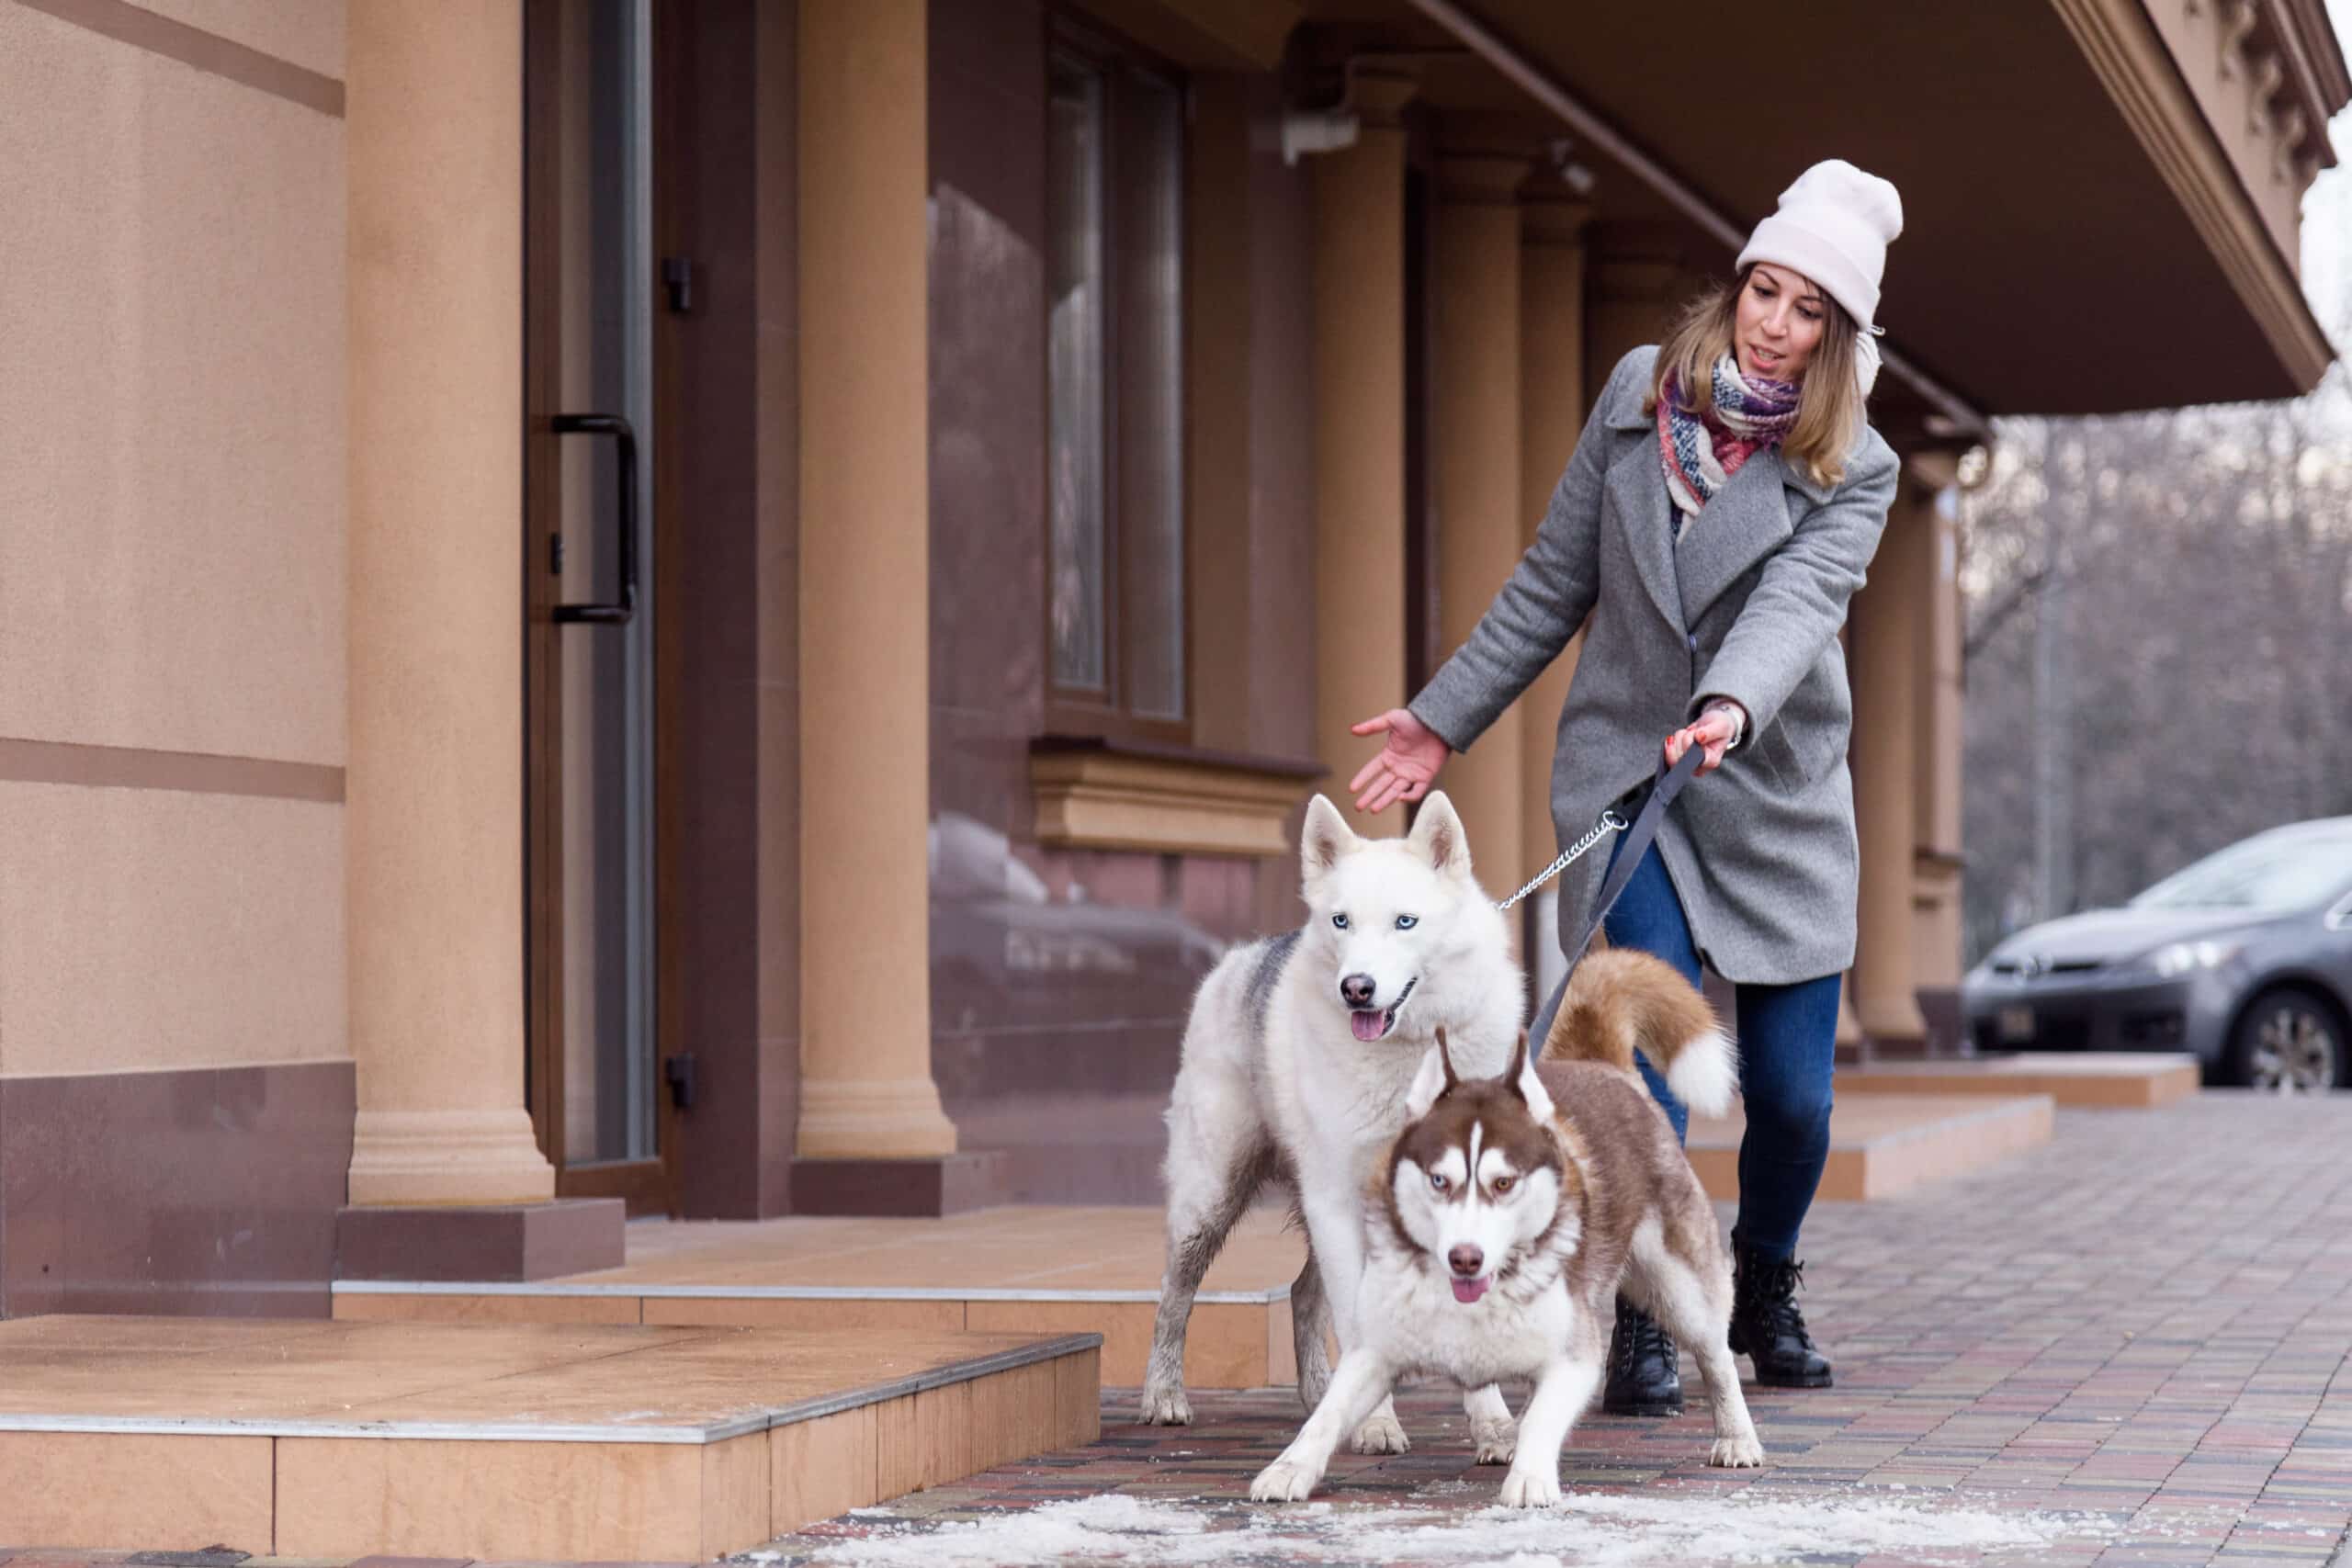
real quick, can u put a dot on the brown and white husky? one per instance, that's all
(1511, 1211)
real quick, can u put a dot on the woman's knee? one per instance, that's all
(1788, 1105)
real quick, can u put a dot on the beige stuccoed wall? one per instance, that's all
(166, 929)
(173, 399)
(171, 564)
(308, 33)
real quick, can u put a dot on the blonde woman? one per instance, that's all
(1722, 507)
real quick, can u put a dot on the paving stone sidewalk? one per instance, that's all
(2130, 1346)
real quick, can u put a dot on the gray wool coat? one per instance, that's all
(1745, 604)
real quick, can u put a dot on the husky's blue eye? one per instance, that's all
(1341, 921)
(1406, 922)
(1437, 1179)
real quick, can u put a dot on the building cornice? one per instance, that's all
(2121, 41)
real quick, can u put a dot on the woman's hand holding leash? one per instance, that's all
(1406, 766)
(1717, 729)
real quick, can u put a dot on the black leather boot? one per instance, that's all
(1766, 1326)
(1643, 1378)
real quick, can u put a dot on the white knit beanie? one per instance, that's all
(1833, 226)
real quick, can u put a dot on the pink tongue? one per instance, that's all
(1469, 1290)
(1368, 1026)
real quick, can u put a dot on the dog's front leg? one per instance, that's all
(1562, 1391)
(1335, 1226)
(1491, 1424)
(1363, 1381)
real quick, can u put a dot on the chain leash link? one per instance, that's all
(1609, 823)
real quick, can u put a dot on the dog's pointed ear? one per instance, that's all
(1434, 1078)
(1437, 834)
(1328, 839)
(1528, 1084)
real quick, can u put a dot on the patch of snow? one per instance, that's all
(1589, 1530)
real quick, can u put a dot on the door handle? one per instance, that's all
(625, 451)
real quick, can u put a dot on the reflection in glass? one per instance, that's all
(1151, 411)
(1074, 373)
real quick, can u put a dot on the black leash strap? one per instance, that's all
(1636, 842)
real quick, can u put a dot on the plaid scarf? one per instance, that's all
(1702, 454)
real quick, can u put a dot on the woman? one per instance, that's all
(1721, 509)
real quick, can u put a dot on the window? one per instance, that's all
(1114, 326)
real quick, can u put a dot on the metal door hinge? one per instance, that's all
(678, 277)
(679, 1070)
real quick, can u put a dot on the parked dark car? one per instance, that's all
(2244, 958)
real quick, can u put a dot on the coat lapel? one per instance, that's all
(1636, 487)
(1746, 521)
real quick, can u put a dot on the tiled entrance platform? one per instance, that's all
(2118, 1080)
(577, 1441)
(1881, 1145)
(1030, 1270)
(1041, 1269)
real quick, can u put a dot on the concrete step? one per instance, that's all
(539, 1441)
(1030, 1270)
(1881, 1145)
(2133, 1080)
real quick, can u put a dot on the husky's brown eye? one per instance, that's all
(1502, 1184)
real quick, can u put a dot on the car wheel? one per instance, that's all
(2287, 1042)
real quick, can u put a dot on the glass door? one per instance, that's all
(589, 557)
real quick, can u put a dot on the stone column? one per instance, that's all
(1936, 704)
(1359, 269)
(1882, 635)
(433, 821)
(1477, 441)
(872, 1136)
(1551, 415)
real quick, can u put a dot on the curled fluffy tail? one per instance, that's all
(1621, 1000)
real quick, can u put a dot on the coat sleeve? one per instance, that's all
(1800, 599)
(1546, 599)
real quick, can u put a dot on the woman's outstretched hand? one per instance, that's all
(1715, 729)
(1406, 766)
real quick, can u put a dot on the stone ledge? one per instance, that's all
(1098, 794)
(504, 1242)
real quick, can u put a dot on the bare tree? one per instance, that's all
(2159, 650)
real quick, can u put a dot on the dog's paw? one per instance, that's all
(1736, 1453)
(1498, 1440)
(1381, 1435)
(1166, 1407)
(1529, 1489)
(1285, 1481)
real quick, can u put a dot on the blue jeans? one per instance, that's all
(1788, 1041)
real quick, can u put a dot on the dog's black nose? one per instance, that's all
(1357, 990)
(1467, 1261)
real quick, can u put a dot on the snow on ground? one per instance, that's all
(1589, 1530)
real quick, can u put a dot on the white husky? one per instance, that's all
(1295, 1065)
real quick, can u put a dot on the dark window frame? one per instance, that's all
(1110, 711)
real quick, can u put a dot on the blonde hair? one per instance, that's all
(1829, 408)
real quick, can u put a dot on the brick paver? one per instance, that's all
(2130, 1345)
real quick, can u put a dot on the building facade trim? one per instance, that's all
(2123, 48)
(1097, 798)
(195, 772)
(210, 53)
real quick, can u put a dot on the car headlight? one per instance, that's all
(2186, 957)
